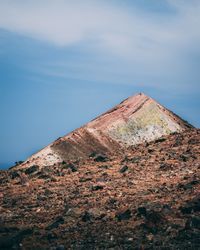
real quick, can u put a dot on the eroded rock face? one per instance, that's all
(135, 120)
(154, 204)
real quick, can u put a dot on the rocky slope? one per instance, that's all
(135, 120)
(130, 179)
(146, 199)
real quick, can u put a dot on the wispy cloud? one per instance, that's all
(115, 34)
(108, 27)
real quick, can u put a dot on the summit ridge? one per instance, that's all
(135, 120)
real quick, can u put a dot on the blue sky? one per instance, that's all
(64, 62)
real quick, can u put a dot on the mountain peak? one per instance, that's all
(135, 120)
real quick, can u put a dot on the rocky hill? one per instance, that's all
(136, 196)
(135, 120)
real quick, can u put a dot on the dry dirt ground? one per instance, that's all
(147, 197)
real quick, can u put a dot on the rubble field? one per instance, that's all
(145, 197)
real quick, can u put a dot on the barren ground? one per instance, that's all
(145, 198)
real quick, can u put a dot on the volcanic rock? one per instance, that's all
(92, 205)
(123, 169)
(124, 214)
(136, 120)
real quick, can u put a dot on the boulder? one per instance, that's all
(124, 214)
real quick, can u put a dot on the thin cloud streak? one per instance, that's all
(108, 27)
(109, 36)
